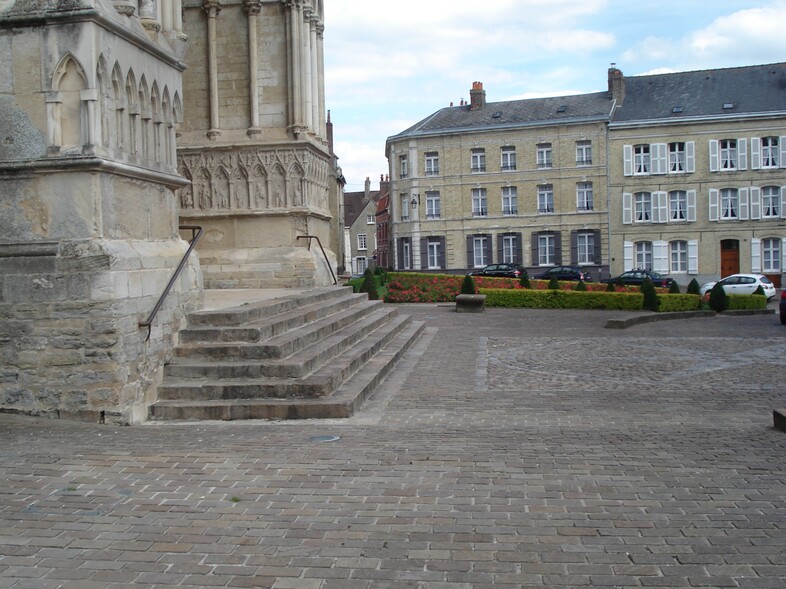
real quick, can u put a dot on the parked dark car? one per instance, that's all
(565, 273)
(500, 270)
(636, 277)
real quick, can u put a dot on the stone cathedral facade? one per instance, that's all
(254, 142)
(120, 121)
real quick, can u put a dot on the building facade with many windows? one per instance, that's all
(521, 182)
(679, 173)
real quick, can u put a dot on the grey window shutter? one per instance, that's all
(488, 249)
(597, 245)
(470, 252)
(574, 247)
(442, 253)
(500, 242)
(423, 253)
(519, 249)
(535, 256)
(400, 252)
(557, 248)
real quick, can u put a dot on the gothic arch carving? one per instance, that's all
(66, 116)
(119, 108)
(132, 100)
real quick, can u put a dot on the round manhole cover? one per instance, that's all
(324, 438)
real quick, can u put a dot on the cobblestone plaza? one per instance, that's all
(511, 448)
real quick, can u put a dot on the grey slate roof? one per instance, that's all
(751, 89)
(514, 113)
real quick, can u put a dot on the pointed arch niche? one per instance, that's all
(68, 125)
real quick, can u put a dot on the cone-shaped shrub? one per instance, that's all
(369, 286)
(610, 287)
(580, 286)
(524, 281)
(651, 301)
(674, 288)
(719, 301)
(759, 291)
(553, 283)
(693, 287)
(468, 285)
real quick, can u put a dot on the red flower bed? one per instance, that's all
(412, 287)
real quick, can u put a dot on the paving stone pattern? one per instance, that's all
(509, 449)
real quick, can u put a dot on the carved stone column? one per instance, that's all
(321, 80)
(252, 8)
(212, 8)
(308, 70)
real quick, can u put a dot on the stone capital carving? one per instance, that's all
(211, 7)
(252, 7)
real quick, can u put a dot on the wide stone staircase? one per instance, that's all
(308, 355)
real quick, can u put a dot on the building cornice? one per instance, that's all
(740, 117)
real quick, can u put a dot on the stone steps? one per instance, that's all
(320, 367)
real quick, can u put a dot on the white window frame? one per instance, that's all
(584, 152)
(642, 161)
(432, 163)
(510, 200)
(479, 252)
(362, 241)
(771, 209)
(369, 219)
(546, 250)
(643, 254)
(729, 204)
(771, 255)
(508, 249)
(544, 156)
(642, 202)
(678, 257)
(728, 154)
(404, 207)
(406, 251)
(678, 163)
(508, 158)
(678, 206)
(479, 203)
(770, 152)
(584, 197)
(545, 198)
(585, 248)
(361, 264)
(478, 160)
(433, 205)
(432, 255)
(403, 169)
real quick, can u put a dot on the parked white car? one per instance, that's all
(743, 284)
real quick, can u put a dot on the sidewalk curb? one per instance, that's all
(653, 317)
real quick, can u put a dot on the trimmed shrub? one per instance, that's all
(524, 281)
(561, 299)
(747, 302)
(580, 286)
(693, 287)
(650, 296)
(759, 291)
(719, 301)
(468, 285)
(369, 286)
(553, 283)
(674, 288)
(610, 287)
(679, 302)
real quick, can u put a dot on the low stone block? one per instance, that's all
(779, 419)
(468, 303)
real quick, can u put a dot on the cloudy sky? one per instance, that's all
(392, 63)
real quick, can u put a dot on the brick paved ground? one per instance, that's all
(513, 449)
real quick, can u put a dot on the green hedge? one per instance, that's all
(679, 302)
(562, 299)
(745, 302)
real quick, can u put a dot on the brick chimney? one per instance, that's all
(616, 84)
(477, 96)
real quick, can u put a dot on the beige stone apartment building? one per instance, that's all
(519, 181)
(697, 172)
(680, 173)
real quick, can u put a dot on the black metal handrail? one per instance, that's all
(310, 237)
(196, 233)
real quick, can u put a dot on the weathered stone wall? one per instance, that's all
(89, 97)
